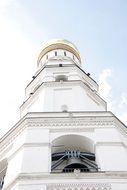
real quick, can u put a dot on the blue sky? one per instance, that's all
(97, 27)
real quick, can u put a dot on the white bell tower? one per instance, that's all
(60, 84)
(66, 139)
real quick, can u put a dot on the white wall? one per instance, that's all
(29, 186)
(35, 159)
(79, 92)
(14, 167)
(32, 155)
(51, 99)
(111, 157)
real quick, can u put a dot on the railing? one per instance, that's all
(75, 170)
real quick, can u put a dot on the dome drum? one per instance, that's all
(56, 45)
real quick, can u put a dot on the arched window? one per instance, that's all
(65, 53)
(61, 78)
(64, 108)
(55, 53)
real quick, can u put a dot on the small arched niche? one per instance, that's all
(64, 108)
(73, 152)
(59, 78)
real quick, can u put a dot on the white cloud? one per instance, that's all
(123, 100)
(114, 104)
(4, 4)
(105, 87)
(123, 118)
(17, 55)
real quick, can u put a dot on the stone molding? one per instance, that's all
(113, 175)
(56, 122)
(9, 138)
(49, 179)
(80, 186)
(110, 144)
(70, 122)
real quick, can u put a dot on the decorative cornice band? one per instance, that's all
(49, 179)
(63, 121)
(80, 186)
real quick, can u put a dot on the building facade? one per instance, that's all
(66, 139)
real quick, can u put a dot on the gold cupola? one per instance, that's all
(57, 44)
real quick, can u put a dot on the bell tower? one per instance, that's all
(60, 84)
(66, 139)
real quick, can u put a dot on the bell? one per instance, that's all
(75, 163)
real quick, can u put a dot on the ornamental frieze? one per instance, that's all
(69, 123)
(84, 186)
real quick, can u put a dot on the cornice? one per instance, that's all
(69, 122)
(110, 144)
(80, 186)
(7, 140)
(88, 175)
(87, 180)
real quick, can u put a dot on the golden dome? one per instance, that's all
(58, 44)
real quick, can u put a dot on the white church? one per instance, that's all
(66, 139)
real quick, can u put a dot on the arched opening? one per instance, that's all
(55, 53)
(64, 108)
(73, 152)
(60, 78)
(3, 169)
(65, 54)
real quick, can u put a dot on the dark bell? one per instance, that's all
(75, 163)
